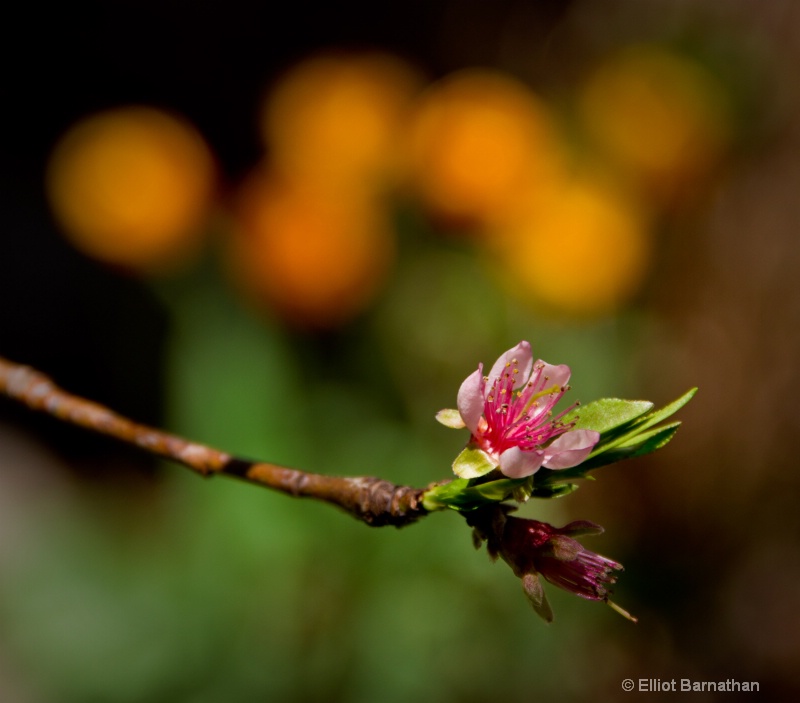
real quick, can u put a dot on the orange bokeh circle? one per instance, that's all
(131, 187)
(317, 257)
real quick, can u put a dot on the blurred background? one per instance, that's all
(290, 232)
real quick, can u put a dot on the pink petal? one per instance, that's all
(515, 463)
(470, 399)
(524, 358)
(556, 375)
(570, 449)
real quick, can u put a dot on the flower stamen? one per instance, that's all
(547, 391)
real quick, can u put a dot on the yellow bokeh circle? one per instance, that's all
(585, 252)
(131, 187)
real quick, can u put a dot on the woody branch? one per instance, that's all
(373, 500)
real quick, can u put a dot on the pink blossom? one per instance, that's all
(533, 549)
(510, 415)
(531, 546)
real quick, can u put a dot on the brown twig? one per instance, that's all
(373, 500)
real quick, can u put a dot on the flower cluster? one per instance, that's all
(515, 431)
(513, 427)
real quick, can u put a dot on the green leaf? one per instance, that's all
(638, 445)
(463, 494)
(495, 491)
(640, 425)
(607, 414)
(653, 439)
(554, 490)
(658, 415)
(444, 495)
(472, 463)
(634, 437)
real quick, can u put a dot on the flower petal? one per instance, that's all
(570, 449)
(515, 463)
(450, 417)
(470, 399)
(472, 463)
(532, 585)
(565, 548)
(523, 355)
(555, 375)
(578, 528)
